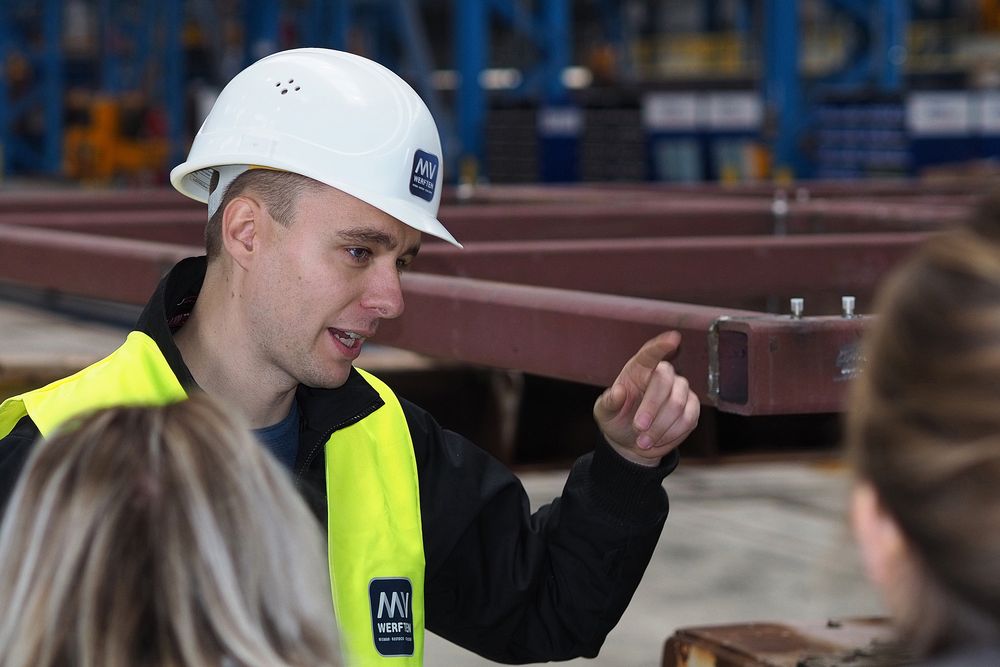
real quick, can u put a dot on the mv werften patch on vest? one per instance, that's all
(392, 615)
(423, 178)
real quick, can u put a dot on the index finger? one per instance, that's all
(655, 350)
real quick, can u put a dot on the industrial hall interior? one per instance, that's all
(699, 363)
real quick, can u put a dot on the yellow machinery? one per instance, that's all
(117, 137)
(989, 14)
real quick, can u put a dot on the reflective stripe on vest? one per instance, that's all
(134, 374)
(376, 540)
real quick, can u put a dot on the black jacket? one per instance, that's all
(510, 585)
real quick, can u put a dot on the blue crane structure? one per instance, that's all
(395, 33)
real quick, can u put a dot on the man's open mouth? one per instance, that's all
(348, 339)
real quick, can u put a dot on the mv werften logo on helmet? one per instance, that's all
(392, 615)
(423, 177)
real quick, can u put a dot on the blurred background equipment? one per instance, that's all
(108, 91)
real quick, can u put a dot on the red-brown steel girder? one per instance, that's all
(28, 201)
(178, 225)
(835, 189)
(621, 217)
(523, 223)
(613, 218)
(772, 364)
(98, 267)
(741, 361)
(699, 269)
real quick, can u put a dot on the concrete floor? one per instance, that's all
(31, 338)
(762, 541)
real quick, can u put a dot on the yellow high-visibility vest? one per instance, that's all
(376, 539)
(376, 552)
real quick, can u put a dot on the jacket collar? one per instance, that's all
(323, 410)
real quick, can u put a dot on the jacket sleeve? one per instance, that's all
(14, 450)
(518, 587)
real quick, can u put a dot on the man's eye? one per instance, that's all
(404, 263)
(359, 254)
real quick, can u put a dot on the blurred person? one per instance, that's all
(322, 170)
(923, 433)
(161, 537)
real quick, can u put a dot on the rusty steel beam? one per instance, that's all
(852, 641)
(497, 196)
(122, 270)
(186, 225)
(835, 189)
(581, 316)
(618, 217)
(572, 335)
(28, 201)
(873, 214)
(472, 224)
(514, 194)
(743, 362)
(840, 189)
(147, 214)
(765, 365)
(699, 269)
(182, 226)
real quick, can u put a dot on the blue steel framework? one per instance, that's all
(548, 27)
(152, 30)
(174, 80)
(326, 22)
(875, 65)
(394, 28)
(32, 32)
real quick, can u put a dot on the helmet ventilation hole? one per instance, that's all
(285, 87)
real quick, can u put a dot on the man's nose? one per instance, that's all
(385, 293)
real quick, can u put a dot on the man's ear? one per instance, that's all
(883, 547)
(241, 227)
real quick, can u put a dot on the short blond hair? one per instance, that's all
(161, 536)
(279, 191)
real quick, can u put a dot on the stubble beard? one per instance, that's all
(302, 361)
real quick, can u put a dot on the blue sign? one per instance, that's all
(392, 615)
(423, 179)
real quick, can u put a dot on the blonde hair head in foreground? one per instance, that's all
(161, 536)
(923, 433)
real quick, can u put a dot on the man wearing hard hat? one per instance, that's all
(321, 171)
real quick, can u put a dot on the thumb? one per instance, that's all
(610, 402)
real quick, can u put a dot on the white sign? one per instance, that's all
(989, 112)
(670, 112)
(560, 121)
(939, 114)
(735, 111)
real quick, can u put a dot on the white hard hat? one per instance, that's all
(336, 117)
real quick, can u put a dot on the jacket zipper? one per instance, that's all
(318, 445)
